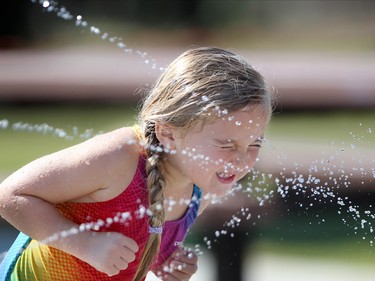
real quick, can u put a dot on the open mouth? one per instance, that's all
(225, 177)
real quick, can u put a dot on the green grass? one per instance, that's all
(325, 127)
(352, 251)
(19, 146)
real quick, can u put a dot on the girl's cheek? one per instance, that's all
(253, 156)
(222, 159)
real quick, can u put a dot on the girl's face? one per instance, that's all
(217, 154)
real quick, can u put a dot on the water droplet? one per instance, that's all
(104, 36)
(4, 124)
(205, 98)
(94, 30)
(121, 45)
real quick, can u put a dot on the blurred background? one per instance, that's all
(72, 69)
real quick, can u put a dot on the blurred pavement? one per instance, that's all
(272, 267)
(108, 74)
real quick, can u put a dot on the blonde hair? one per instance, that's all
(197, 84)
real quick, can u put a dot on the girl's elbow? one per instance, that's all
(8, 198)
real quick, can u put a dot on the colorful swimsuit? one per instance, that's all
(30, 260)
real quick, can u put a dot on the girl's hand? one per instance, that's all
(108, 252)
(180, 266)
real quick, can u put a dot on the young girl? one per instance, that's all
(99, 210)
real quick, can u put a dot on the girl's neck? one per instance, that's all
(178, 191)
(176, 201)
(176, 182)
(178, 187)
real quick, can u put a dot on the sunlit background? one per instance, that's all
(72, 69)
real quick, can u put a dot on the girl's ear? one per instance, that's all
(165, 134)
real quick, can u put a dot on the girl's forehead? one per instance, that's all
(249, 118)
(240, 124)
(250, 112)
(243, 119)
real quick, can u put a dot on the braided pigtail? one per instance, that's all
(155, 186)
(198, 86)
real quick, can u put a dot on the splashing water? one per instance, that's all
(326, 177)
(46, 129)
(325, 181)
(52, 6)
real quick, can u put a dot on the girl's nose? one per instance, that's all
(246, 161)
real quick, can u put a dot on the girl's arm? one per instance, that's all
(96, 170)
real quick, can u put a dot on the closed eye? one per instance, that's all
(256, 145)
(224, 144)
(226, 147)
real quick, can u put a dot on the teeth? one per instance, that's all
(225, 176)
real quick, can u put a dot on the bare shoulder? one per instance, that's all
(116, 159)
(109, 152)
(97, 169)
(123, 140)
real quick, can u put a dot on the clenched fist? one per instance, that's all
(108, 252)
